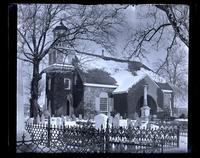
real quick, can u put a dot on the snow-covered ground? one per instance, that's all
(183, 146)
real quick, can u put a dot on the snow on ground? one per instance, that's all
(181, 120)
(123, 123)
(183, 141)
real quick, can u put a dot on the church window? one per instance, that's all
(66, 83)
(49, 84)
(103, 104)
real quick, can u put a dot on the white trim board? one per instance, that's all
(169, 91)
(99, 85)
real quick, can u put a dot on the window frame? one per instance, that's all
(100, 105)
(69, 85)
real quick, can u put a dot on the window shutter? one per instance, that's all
(97, 104)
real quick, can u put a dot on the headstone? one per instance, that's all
(91, 116)
(67, 118)
(80, 117)
(74, 118)
(110, 120)
(46, 114)
(129, 122)
(30, 120)
(38, 119)
(116, 120)
(58, 121)
(100, 120)
(53, 120)
(42, 119)
(123, 123)
(154, 117)
(62, 119)
(137, 123)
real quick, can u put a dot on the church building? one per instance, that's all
(71, 90)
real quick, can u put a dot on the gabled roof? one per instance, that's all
(125, 75)
(136, 65)
(97, 76)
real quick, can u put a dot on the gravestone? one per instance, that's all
(129, 123)
(100, 119)
(137, 123)
(91, 116)
(67, 118)
(74, 118)
(38, 119)
(53, 121)
(63, 120)
(58, 121)
(123, 123)
(116, 120)
(80, 117)
(110, 120)
(43, 119)
(30, 120)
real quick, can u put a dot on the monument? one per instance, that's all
(145, 109)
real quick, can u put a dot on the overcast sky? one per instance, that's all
(133, 21)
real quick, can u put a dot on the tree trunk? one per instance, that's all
(34, 107)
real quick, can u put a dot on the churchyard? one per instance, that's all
(103, 134)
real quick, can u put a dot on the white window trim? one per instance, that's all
(69, 83)
(106, 104)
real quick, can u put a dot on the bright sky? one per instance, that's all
(131, 16)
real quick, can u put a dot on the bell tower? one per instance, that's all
(58, 55)
(60, 75)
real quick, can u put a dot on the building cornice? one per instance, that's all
(99, 85)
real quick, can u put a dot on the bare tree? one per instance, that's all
(175, 70)
(96, 24)
(158, 24)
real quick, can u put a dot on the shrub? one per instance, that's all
(182, 116)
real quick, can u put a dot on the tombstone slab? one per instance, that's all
(116, 120)
(100, 120)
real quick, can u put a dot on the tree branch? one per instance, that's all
(172, 19)
(25, 41)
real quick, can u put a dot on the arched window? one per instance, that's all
(103, 102)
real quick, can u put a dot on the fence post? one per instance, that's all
(178, 135)
(162, 145)
(102, 142)
(49, 132)
(154, 142)
(107, 136)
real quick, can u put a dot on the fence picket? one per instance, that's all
(112, 139)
